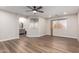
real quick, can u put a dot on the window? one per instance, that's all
(60, 24)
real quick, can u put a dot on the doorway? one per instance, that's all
(22, 30)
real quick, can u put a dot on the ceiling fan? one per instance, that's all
(35, 9)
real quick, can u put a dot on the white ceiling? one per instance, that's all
(48, 10)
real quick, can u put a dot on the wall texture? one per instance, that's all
(8, 26)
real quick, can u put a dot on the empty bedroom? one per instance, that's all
(39, 29)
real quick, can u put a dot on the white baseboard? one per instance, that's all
(35, 35)
(9, 39)
(66, 36)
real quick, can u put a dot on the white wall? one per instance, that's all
(48, 30)
(42, 26)
(32, 28)
(8, 26)
(37, 31)
(70, 31)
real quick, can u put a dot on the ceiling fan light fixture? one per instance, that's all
(34, 12)
(65, 13)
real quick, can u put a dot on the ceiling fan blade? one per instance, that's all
(39, 7)
(41, 11)
(29, 7)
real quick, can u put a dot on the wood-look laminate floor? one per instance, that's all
(46, 44)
